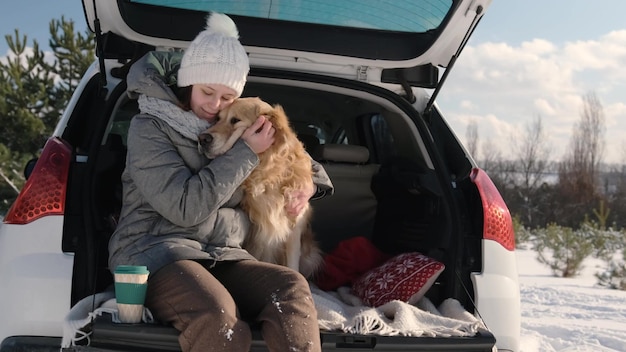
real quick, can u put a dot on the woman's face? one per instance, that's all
(208, 99)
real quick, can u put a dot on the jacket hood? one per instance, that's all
(154, 75)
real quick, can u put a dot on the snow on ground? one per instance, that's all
(568, 314)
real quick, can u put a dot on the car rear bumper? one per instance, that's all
(36, 278)
(109, 336)
(31, 344)
(497, 295)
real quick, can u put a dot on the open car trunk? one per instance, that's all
(400, 197)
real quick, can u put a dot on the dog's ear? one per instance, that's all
(278, 110)
(263, 108)
(278, 117)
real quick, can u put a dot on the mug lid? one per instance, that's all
(131, 269)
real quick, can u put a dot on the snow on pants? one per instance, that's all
(211, 307)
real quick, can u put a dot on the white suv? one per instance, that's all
(357, 76)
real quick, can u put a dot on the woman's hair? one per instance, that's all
(184, 97)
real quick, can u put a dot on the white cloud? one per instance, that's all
(544, 107)
(468, 105)
(504, 87)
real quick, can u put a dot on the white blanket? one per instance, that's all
(82, 313)
(336, 311)
(344, 312)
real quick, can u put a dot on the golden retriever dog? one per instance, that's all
(276, 237)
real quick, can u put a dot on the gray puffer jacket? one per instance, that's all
(176, 203)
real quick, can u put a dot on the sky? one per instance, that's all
(527, 60)
(534, 59)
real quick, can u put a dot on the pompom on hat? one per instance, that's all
(215, 56)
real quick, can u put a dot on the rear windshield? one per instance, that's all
(390, 15)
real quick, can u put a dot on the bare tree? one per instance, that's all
(590, 141)
(499, 170)
(492, 157)
(578, 173)
(532, 152)
(616, 194)
(471, 134)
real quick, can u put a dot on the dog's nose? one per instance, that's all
(205, 139)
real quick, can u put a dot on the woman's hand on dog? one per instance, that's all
(298, 199)
(260, 135)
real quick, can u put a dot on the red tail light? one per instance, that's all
(498, 225)
(44, 191)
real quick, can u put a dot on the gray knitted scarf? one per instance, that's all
(184, 122)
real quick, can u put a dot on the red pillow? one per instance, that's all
(351, 259)
(405, 277)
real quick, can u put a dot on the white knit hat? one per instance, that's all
(215, 56)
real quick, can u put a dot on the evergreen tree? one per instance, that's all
(74, 52)
(26, 83)
(36, 87)
(564, 249)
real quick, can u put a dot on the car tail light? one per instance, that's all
(44, 191)
(498, 225)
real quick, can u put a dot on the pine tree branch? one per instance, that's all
(17, 191)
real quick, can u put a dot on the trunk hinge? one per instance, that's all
(99, 46)
(477, 17)
(361, 73)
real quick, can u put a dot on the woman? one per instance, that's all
(180, 216)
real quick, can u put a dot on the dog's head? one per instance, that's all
(230, 125)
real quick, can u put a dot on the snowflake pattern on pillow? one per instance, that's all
(405, 277)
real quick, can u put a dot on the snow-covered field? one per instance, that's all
(569, 314)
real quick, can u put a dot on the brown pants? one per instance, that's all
(211, 307)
